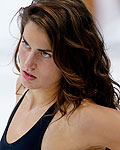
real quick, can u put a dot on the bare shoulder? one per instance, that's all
(87, 114)
(96, 117)
(97, 124)
(20, 90)
(98, 113)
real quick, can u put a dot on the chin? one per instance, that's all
(27, 84)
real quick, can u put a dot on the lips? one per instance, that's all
(28, 76)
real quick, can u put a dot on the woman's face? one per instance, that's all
(37, 67)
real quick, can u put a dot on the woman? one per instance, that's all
(66, 99)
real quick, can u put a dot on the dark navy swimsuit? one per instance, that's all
(33, 138)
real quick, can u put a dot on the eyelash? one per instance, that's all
(25, 44)
(44, 53)
(41, 52)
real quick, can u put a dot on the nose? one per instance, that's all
(30, 62)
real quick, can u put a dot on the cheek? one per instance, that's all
(48, 69)
(21, 53)
(54, 71)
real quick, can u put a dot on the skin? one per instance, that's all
(39, 64)
(90, 127)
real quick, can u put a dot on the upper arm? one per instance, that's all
(96, 126)
(103, 127)
(19, 89)
(109, 128)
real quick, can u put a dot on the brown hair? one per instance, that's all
(78, 51)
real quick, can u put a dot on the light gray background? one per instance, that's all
(108, 15)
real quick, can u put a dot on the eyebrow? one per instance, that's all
(39, 49)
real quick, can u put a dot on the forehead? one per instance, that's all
(36, 36)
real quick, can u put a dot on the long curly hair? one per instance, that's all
(78, 51)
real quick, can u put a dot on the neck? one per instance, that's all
(41, 98)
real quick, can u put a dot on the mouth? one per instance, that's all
(28, 76)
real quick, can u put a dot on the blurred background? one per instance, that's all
(107, 16)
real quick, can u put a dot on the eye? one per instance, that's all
(45, 54)
(26, 45)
